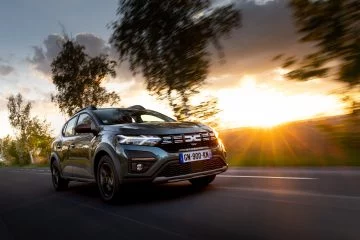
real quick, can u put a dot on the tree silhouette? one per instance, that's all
(334, 28)
(78, 79)
(167, 41)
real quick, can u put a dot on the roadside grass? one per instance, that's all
(3, 164)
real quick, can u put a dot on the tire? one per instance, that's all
(58, 181)
(107, 180)
(202, 181)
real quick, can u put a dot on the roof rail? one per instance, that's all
(138, 107)
(91, 107)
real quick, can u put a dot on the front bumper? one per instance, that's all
(189, 176)
(167, 167)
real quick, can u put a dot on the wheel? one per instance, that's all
(202, 181)
(107, 180)
(59, 183)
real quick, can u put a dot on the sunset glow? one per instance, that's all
(249, 104)
(256, 105)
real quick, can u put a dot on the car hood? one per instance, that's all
(162, 128)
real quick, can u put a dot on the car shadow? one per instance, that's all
(141, 193)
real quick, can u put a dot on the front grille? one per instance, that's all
(176, 168)
(174, 143)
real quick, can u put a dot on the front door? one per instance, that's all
(66, 146)
(81, 153)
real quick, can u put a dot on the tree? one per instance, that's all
(8, 150)
(33, 137)
(334, 27)
(19, 117)
(39, 139)
(78, 77)
(19, 113)
(167, 41)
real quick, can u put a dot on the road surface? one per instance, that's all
(243, 203)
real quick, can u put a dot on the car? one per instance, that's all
(117, 146)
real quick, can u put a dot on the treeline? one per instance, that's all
(346, 131)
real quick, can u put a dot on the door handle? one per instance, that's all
(72, 145)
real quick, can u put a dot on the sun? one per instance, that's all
(256, 105)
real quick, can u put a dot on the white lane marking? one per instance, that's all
(266, 177)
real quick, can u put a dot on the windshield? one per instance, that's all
(123, 116)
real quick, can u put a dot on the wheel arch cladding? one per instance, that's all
(106, 151)
(97, 158)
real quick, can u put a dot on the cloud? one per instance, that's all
(93, 44)
(267, 30)
(6, 69)
(43, 55)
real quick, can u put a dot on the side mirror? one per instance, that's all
(86, 128)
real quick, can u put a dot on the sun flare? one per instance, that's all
(256, 105)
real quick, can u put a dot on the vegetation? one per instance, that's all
(167, 41)
(78, 77)
(33, 137)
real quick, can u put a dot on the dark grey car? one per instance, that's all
(115, 146)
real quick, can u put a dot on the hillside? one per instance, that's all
(293, 144)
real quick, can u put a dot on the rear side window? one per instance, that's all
(70, 126)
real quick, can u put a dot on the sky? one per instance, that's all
(249, 85)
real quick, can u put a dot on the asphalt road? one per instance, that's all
(245, 203)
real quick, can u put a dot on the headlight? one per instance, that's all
(214, 135)
(143, 140)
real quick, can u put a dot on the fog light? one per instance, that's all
(139, 167)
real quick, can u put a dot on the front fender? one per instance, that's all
(54, 156)
(108, 149)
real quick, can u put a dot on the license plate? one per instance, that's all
(192, 156)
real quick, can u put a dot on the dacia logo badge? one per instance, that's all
(192, 138)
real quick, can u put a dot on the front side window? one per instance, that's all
(85, 119)
(69, 130)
